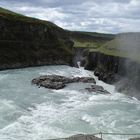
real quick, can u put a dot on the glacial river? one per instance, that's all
(31, 113)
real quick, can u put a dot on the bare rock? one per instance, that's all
(97, 89)
(134, 139)
(59, 82)
(87, 80)
(83, 137)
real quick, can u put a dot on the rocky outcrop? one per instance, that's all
(104, 66)
(118, 61)
(59, 82)
(123, 72)
(83, 137)
(27, 41)
(97, 89)
(134, 139)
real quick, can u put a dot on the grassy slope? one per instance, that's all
(124, 45)
(33, 39)
(95, 34)
(12, 16)
(99, 42)
(90, 39)
(9, 15)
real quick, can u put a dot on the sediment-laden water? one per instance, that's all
(31, 113)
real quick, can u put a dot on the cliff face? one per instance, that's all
(122, 72)
(29, 42)
(104, 66)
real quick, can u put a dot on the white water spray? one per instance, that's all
(38, 113)
(79, 63)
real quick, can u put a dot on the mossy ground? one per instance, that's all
(108, 44)
(91, 40)
(86, 44)
(122, 48)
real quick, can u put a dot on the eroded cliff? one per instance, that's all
(115, 62)
(121, 71)
(27, 41)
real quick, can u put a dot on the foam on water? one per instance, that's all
(39, 114)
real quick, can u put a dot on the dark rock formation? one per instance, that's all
(116, 61)
(59, 82)
(27, 41)
(83, 137)
(122, 72)
(97, 89)
(134, 139)
(104, 66)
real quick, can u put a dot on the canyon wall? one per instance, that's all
(121, 71)
(26, 42)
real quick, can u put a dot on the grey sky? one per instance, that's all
(111, 16)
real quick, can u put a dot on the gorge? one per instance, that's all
(31, 48)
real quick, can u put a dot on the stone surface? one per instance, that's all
(59, 82)
(134, 139)
(97, 89)
(121, 71)
(83, 137)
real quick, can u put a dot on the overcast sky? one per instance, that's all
(109, 16)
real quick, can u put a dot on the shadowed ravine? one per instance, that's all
(39, 113)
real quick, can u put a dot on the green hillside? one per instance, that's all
(124, 45)
(90, 39)
(10, 15)
(27, 41)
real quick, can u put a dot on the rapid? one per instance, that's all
(31, 113)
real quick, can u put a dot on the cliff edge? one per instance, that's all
(26, 41)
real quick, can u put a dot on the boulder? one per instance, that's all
(52, 85)
(59, 82)
(97, 89)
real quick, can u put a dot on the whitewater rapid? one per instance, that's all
(31, 113)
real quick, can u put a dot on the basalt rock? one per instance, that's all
(83, 137)
(134, 139)
(121, 71)
(104, 66)
(97, 89)
(86, 80)
(59, 82)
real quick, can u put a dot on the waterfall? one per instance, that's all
(78, 63)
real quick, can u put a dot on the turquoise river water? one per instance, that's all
(31, 113)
